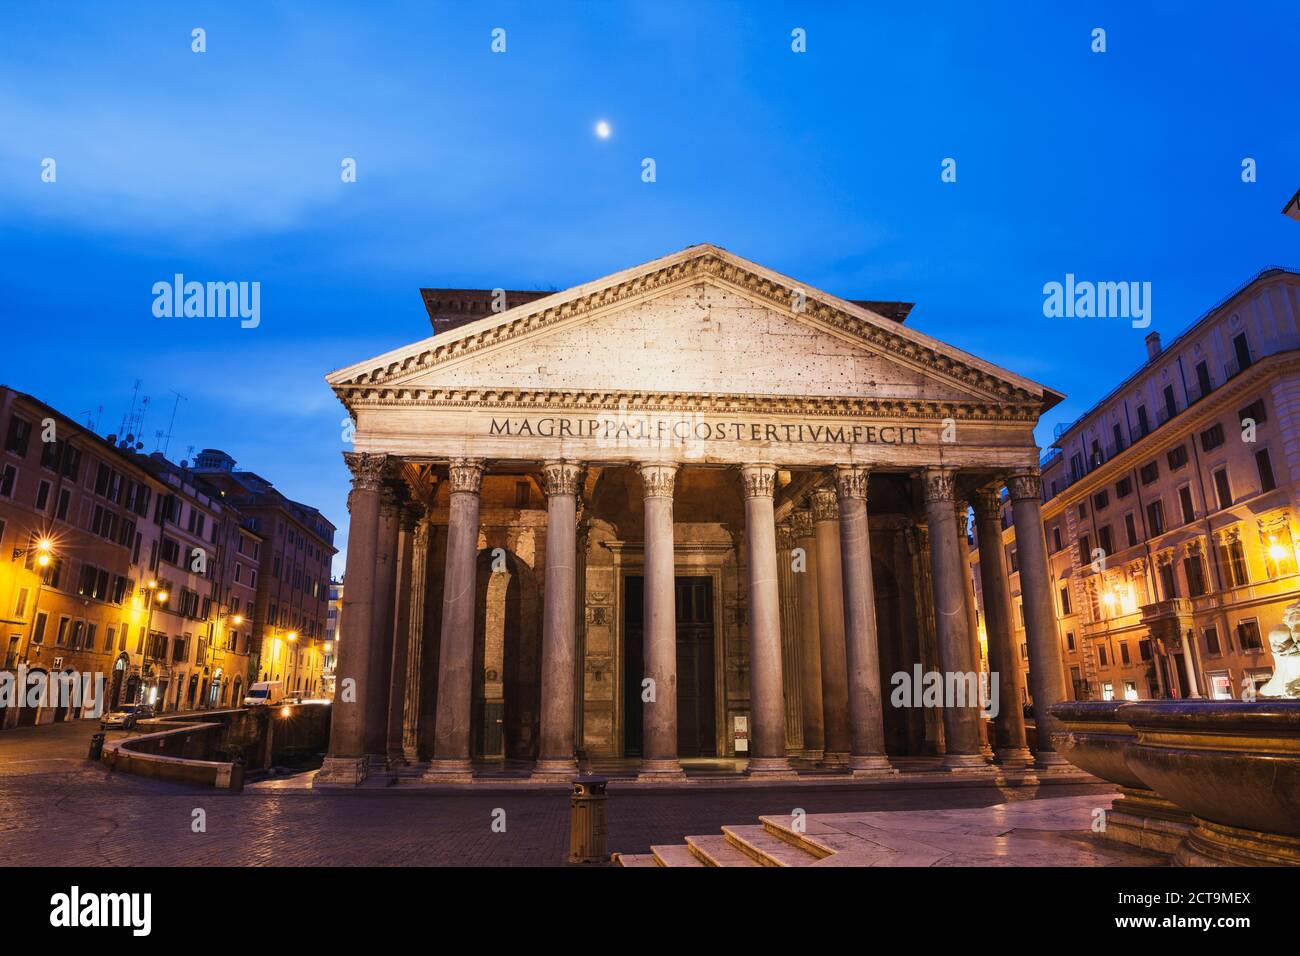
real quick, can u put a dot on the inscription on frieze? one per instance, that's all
(682, 430)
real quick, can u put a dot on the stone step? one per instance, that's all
(675, 855)
(766, 848)
(716, 850)
(637, 859)
(782, 831)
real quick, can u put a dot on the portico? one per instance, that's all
(692, 509)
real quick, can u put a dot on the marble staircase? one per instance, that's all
(774, 841)
(1046, 831)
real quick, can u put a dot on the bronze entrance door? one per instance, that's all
(696, 730)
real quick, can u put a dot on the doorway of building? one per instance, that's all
(696, 716)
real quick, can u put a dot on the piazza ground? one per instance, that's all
(59, 809)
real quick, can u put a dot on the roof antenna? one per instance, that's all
(167, 442)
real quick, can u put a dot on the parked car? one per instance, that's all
(125, 717)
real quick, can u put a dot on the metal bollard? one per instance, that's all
(96, 746)
(588, 830)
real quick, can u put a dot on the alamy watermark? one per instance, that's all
(1083, 299)
(66, 689)
(946, 689)
(208, 300)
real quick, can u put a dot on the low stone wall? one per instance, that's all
(178, 754)
(202, 748)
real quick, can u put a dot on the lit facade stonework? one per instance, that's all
(691, 505)
(115, 521)
(1170, 514)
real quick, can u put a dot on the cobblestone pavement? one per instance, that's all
(58, 808)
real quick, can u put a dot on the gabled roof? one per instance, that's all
(885, 336)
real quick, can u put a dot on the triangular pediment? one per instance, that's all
(701, 322)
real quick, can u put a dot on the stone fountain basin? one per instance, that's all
(1231, 762)
(1094, 737)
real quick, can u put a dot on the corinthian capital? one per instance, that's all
(657, 480)
(1026, 485)
(759, 480)
(825, 505)
(392, 497)
(561, 478)
(367, 469)
(851, 481)
(938, 484)
(987, 502)
(465, 475)
(412, 512)
(801, 523)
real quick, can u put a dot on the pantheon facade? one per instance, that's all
(694, 509)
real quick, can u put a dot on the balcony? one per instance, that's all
(1168, 620)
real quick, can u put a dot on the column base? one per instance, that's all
(1015, 757)
(770, 768)
(1144, 819)
(557, 770)
(396, 760)
(814, 754)
(342, 772)
(660, 770)
(835, 759)
(872, 765)
(449, 770)
(965, 763)
(1051, 760)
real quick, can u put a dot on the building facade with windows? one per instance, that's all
(290, 576)
(1170, 509)
(132, 567)
(333, 633)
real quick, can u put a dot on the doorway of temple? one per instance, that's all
(696, 697)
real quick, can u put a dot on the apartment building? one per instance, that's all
(147, 573)
(1170, 509)
(291, 607)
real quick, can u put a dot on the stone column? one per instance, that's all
(766, 700)
(961, 714)
(346, 761)
(830, 613)
(451, 754)
(1189, 665)
(659, 723)
(415, 641)
(810, 658)
(962, 518)
(1046, 673)
(408, 519)
(862, 653)
(382, 623)
(1009, 724)
(791, 689)
(560, 481)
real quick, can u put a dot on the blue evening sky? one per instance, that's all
(480, 169)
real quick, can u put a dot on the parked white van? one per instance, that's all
(264, 692)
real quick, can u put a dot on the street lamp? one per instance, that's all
(156, 596)
(43, 549)
(225, 620)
